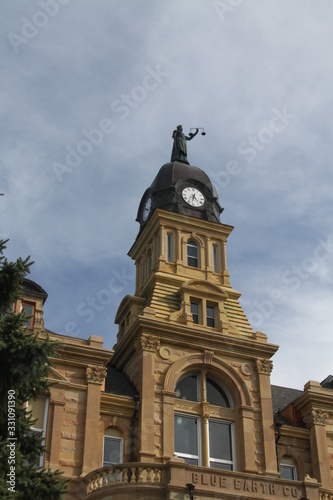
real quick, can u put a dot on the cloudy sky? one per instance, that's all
(90, 94)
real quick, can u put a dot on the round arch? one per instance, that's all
(290, 452)
(113, 423)
(224, 372)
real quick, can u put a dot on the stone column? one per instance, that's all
(160, 248)
(179, 251)
(92, 458)
(146, 347)
(204, 435)
(264, 368)
(225, 274)
(209, 256)
(58, 408)
(315, 420)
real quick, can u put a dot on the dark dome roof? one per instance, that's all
(32, 288)
(166, 192)
(171, 173)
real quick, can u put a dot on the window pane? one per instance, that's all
(221, 466)
(288, 468)
(210, 313)
(29, 310)
(111, 450)
(195, 312)
(186, 435)
(169, 247)
(288, 472)
(37, 409)
(187, 388)
(191, 461)
(215, 394)
(192, 254)
(220, 445)
(215, 259)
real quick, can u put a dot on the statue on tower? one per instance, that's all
(179, 150)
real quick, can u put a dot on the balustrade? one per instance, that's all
(125, 474)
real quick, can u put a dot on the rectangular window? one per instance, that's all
(211, 315)
(220, 445)
(215, 259)
(187, 435)
(39, 411)
(195, 310)
(192, 254)
(113, 451)
(288, 472)
(169, 247)
(29, 310)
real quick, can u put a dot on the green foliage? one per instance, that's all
(24, 364)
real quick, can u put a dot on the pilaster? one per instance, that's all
(315, 420)
(247, 425)
(146, 348)
(264, 368)
(168, 424)
(91, 453)
(58, 404)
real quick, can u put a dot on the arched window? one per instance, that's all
(215, 394)
(187, 388)
(113, 447)
(207, 426)
(192, 254)
(288, 468)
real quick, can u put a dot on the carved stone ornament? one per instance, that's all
(149, 343)
(165, 352)
(315, 417)
(264, 366)
(208, 357)
(187, 406)
(246, 369)
(96, 374)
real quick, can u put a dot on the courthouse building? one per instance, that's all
(182, 407)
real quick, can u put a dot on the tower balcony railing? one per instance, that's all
(125, 474)
(325, 494)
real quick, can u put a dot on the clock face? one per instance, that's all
(147, 209)
(193, 197)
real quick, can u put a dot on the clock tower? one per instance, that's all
(185, 323)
